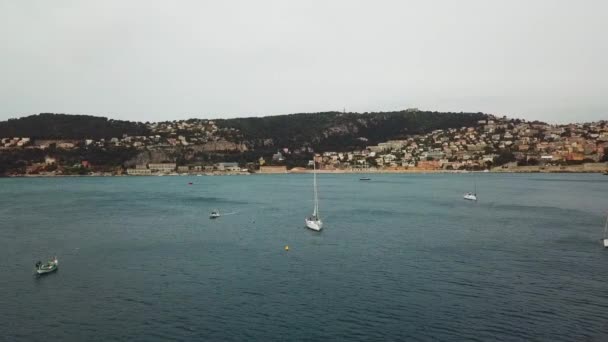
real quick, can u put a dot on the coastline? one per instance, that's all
(513, 170)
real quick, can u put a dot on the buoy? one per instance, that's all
(286, 247)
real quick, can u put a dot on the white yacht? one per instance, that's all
(472, 196)
(314, 221)
(214, 214)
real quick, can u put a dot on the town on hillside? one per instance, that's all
(494, 144)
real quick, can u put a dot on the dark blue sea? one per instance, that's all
(401, 258)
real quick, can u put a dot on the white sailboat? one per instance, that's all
(471, 196)
(605, 238)
(214, 214)
(314, 221)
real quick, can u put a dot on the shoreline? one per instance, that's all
(358, 172)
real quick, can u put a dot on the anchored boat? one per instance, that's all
(48, 267)
(314, 221)
(472, 196)
(214, 214)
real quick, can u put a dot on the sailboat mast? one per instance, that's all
(316, 201)
(475, 184)
(606, 228)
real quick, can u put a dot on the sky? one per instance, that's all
(149, 60)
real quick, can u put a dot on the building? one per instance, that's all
(139, 172)
(228, 167)
(278, 156)
(162, 167)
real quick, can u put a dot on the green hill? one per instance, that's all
(339, 131)
(63, 126)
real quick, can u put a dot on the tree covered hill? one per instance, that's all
(321, 131)
(64, 126)
(262, 136)
(339, 131)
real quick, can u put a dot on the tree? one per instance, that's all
(504, 157)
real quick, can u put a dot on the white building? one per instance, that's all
(162, 167)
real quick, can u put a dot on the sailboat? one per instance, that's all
(605, 238)
(314, 221)
(472, 196)
(214, 214)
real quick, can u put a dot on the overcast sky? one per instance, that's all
(162, 60)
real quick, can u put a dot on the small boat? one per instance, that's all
(365, 179)
(48, 267)
(314, 221)
(214, 214)
(605, 238)
(469, 196)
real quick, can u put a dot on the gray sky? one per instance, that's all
(163, 60)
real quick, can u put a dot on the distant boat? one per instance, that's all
(469, 196)
(48, 267)
(214, 214)
(314, 221)
(472, 196)
(605, 238)
(365, 179)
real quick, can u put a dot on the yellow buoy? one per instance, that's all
(286, 247)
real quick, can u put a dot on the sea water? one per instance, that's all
(401, 257)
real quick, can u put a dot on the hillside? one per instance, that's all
(63, 126)
(202, 141)
(339, 131)
(321, 131)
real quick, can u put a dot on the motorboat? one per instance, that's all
(48, 267)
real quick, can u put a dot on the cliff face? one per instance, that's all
(164, 155)
(222, 146)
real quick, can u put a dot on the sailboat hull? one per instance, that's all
(470, 197)
(314, 224)
(605, 242)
